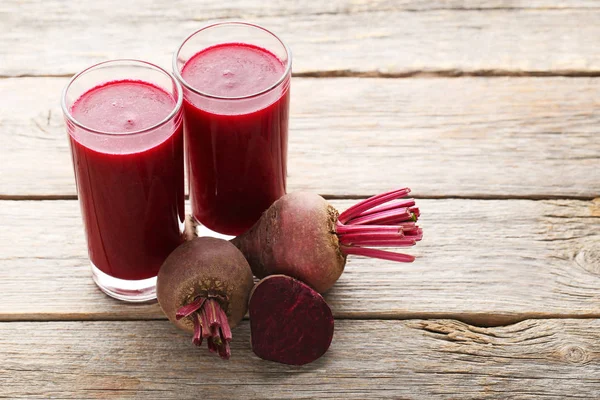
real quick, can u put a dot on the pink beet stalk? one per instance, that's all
(401, 242)
(376, 253)
(384, 220)
(404, 203)
(342, 229)
(210, 322)
(197, 338)
(224, 326)
(384, 243)
(362, 236)
(370, 203)
(191, 308)
(384, 217)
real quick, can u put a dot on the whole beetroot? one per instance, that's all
(301, 235)
(203, 287)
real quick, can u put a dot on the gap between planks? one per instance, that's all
(35, 197)
(443, 73)
(478, 321)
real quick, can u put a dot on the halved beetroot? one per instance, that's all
(290, 322)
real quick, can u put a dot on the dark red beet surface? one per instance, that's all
(290, 322)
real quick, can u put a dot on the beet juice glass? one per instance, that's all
(124, 120)
(236, 85)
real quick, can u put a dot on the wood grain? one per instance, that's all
(438, 359)
(347, 36)
(398, 335)
(470, 137)
(484, 262)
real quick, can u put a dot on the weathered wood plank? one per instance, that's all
(485, 262)
(405, 37)
(438, 359)
(471, 137)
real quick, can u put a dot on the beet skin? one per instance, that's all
(290, 322)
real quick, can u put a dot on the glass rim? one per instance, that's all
(284, 75)
(176, 109)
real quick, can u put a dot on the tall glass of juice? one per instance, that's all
(125, 128)
(236, 84)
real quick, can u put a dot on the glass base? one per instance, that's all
(125, 290)
(201, 230)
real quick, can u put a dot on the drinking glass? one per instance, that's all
(128, 170)
(235, 141)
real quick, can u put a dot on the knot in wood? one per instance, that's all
(589, 259)
(574, 354)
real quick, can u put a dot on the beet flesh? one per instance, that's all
(296, 236)
(290, 322)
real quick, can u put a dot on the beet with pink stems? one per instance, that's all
(203, 287)
(303, 236)
(290, 322)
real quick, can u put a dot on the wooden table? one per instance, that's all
(489, 110)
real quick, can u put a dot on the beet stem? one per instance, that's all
(400, 242)
(416, 234)
(374, 238)
(405, 242)
(390, 216)
(376, 253)
(211, 307)
(388, 206)
(348, 229)
(370, 203)
(411, 230)
(205, 323)
(197, 339)
(359, 236)
(224, 324)
(188, 309)
(212, 347)
(216, 336)
(225, 351)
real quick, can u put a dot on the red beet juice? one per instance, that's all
(130, 183)
(236, 134)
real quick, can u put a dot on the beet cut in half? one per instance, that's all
(290, 322)
(203, 287)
